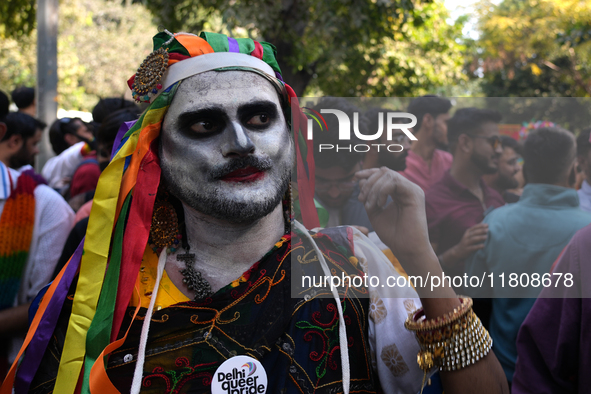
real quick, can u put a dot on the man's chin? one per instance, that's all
(490, 170)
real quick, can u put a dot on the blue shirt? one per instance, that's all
(524, 237)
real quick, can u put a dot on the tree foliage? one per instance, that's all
(17, 18)
(100, 45)
(535, 48)
(424, 56)
(353, 47)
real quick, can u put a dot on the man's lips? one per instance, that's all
(247, 174)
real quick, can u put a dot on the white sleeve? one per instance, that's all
(53, 221)
(393, 348)
(63, 165)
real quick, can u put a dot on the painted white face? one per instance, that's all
(225, 148)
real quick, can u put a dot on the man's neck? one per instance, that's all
(492, 181)
(224, 251)
(467, 175)
(5, 160)
(425, 148)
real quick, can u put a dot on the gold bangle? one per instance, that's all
(417, 320)
(452, 342)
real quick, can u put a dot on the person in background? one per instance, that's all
(457, 203)
(428, 159)
(34, 224)
(504, 179)
(336, 188)
(105, 139)
(395, 158)
(21, 140)
(553, 343)
(24, 99)
(527, 237)
(584, 162)
(72, 142)
(107, 106)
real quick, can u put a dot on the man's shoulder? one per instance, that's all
(440, 191)
(443, 156)
(48, 198)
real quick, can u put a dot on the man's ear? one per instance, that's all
(15, 142)
(2, 130)
(465, 143)
(428, 122)
(572, 175)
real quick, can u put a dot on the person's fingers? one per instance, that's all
(478, 232)
(370, 180)
(474, 248)
(364, 174)
(480, 239)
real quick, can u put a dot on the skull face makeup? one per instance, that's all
(225, 148)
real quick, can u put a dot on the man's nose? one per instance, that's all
(238, 143)
(334, 191)
(499, 149)
(405, 143)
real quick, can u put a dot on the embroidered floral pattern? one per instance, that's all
(409, 305)
(363, 264)
(377, 310)
(175, 380)
(393, 360)
(328, 333)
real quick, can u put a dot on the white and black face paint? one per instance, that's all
(225, 148)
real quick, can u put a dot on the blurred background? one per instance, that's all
(354, 48)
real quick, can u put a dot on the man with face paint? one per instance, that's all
(202, 253)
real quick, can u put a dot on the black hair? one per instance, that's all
(107, 106)
(342, 158)
(429, 104)
(18, 123)
(469, 121)
(23, 97)
(110, 126)
(583, 144)
(4, 105)
(59, 129)
(548, 153)
(509, 142)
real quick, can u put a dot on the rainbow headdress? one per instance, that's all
(108, 262)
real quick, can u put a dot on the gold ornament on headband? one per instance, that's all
(148, 76)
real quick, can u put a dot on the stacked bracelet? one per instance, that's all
(451, 342)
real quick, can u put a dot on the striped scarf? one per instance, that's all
(16, 232)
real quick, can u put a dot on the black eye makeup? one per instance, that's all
(203, 122)
(258, 115)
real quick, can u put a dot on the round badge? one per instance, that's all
(240, 375)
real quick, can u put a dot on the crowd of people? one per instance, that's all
(483, 212)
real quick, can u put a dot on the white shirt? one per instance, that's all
(585, 196)
(63, 165)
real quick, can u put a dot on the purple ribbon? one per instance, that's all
(233, 45)
(123, 129)
(36, 349)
